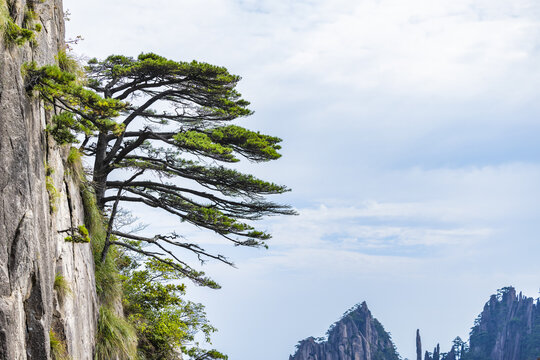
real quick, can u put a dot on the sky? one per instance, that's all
(410, 143)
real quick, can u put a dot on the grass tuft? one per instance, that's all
(116, 338)
(61, 286)
(74, 164)
(68, 63)
(53, 193)
(58, 347)
(4, 14)
(108, 283)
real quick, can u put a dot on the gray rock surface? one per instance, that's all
(507, 329)
(418, 345)
(357, 336)
(32, 251)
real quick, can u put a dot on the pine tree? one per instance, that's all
(159, 133)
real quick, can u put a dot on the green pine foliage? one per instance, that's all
(61, 128)
(87, 111)
(175, 128)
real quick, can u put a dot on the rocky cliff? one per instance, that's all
(357, 336)
(507, 329)
(39, 200)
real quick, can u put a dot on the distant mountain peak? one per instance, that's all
(356, 336)
(507, 329)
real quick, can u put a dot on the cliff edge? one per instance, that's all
(39, 201)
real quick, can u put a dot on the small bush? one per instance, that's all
(74, 156)
(116, 338)
(79, 235)
(16, 35)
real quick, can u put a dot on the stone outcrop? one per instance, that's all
(507, 329)
(418, 345)
(357, 336)
(32, 246)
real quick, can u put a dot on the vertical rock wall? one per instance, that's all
(32, 246)
(507, 329)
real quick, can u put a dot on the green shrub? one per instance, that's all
(74, 157)
(4, 14)
(16, 35)
(13, 33)
(79, 235)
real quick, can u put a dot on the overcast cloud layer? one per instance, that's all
(410, 142)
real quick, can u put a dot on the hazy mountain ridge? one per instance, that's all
(508, 328)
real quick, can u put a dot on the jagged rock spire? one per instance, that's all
(437, 352)
(357, 336)
(418, 345)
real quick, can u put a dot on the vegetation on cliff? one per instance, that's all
(174, 130)
(13, 33)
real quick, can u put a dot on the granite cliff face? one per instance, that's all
(32, 246)
(507, 329)
(357, 336)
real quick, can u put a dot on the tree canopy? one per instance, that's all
(160, 133)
